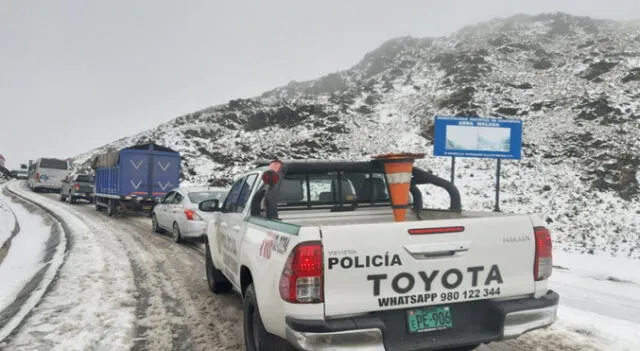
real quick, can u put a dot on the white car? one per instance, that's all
(178, 212)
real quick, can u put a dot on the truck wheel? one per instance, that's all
(175, 234)
(96, 206)
(62, 197)
(72, 200)
(154, 224)
(218, 283)
(256, 337)
(111, 208)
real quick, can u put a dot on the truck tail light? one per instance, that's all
(301, 280)
(38, 177)
(77, 186)
(192, 215)
(542, 265)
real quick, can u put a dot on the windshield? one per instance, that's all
(84, 178)
(199, 196)
(53, 163)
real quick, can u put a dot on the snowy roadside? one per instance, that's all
(7, 221)
(91, 305)
(599, 298)
(599, 306)
(30, 261)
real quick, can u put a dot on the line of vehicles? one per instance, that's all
(142, 178)
(341, 255)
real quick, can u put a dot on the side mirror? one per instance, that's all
(212, 205)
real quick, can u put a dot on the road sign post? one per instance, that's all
(477, 137)
(453, 169)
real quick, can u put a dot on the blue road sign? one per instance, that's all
(477, 137)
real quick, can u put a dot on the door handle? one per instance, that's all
(422, 251)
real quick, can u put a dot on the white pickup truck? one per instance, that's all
(321, 264)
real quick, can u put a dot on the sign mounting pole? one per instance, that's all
(497, 206)
(453, 169)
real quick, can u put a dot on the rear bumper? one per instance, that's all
(480, 322)
(82, 195)
(51, 186)
(192, 229)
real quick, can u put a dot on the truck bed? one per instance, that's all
(323, 217)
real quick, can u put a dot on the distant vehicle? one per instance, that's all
(77, 186)
(135, 178)
(19, 174)
(47, 174)
(178, 212)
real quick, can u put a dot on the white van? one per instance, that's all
(47, 174)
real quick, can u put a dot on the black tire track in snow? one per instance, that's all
(213, 322)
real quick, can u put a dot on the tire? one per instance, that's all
(72, 200)
(175, 233)
(96, 206)
(154, 224)
(218, 283)
(62, 197)
(256, 337)
(463, 348)
(111, 208)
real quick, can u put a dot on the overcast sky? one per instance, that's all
(75, 75)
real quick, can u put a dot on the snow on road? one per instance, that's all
(125, 287)
(600, 297)
(31, 253)
(91, 304)
(7, 221)
(139, 291)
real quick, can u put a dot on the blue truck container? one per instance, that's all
(135, 178)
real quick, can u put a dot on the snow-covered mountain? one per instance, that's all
(574, 81)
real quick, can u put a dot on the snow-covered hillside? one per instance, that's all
(574, 81)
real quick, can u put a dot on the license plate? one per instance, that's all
(429, 319)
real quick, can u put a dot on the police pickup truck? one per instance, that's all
(323, 261)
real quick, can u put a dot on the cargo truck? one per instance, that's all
(134, 178)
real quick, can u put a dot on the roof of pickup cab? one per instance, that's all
(315, 165)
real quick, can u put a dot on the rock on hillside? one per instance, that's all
(574, 81)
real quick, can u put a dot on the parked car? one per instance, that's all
(324, 258)
(19, 174)
(77, 186)
(178, 212)
(47, 174)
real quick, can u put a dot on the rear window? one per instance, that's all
(84, 178)
(53, 163)
(333, 188)
(199, 196)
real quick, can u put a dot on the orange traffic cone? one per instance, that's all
(398, 169)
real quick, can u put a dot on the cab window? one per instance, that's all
(232, 199)
(245, 192)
